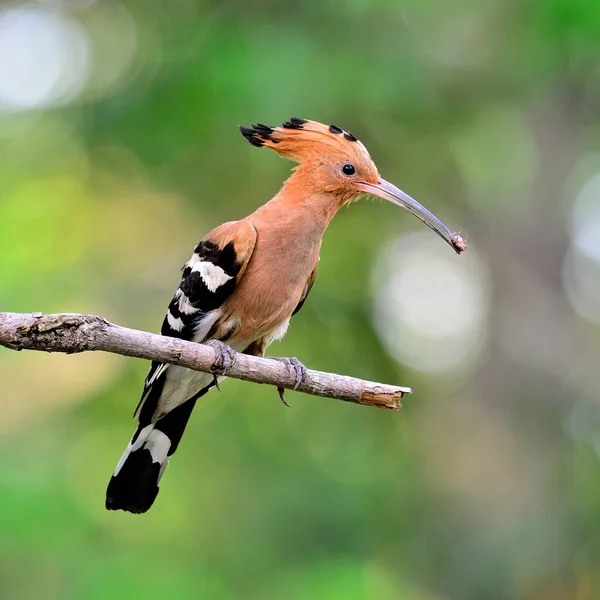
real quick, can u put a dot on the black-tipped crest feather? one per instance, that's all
(251, 135)
(294, 123)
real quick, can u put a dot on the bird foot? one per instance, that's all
(280, 390)
(224, 359)
(300, 372)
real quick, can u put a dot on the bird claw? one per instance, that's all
(224, 359)
(282, 397)
(300, 372)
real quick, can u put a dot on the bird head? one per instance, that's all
(336, 162)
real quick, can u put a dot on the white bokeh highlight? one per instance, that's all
(44, 58)
(585, 221)
(431, 306)
(581, 267)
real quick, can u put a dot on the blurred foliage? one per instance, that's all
(487, 485)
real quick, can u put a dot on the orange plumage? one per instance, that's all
(244, 282)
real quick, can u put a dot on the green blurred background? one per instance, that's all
(119, 151)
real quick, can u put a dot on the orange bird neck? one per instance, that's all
(300, 200)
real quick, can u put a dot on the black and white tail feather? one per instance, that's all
(170, 392)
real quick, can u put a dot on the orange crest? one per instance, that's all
(301, 140)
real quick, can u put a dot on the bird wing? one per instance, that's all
(209, 278)
(307, 288)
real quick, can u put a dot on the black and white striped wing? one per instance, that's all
(209, 278)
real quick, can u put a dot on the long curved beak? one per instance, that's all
(387, 191)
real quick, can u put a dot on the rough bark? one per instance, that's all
(70, 333)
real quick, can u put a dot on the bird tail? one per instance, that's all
(134, 484)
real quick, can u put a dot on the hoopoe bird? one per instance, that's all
(244, 282)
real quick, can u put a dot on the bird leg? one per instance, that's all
(300, 372)
(224, 359)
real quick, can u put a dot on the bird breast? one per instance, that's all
(274, 281)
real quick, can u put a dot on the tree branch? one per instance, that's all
(71, 333)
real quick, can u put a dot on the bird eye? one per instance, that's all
(348, 169)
